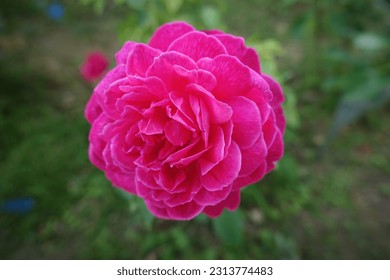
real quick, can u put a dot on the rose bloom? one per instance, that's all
(94, 66)
(186, 121)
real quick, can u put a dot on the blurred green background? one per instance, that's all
(329, 197)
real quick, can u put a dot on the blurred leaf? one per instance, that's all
(370, 93)
(173, 6)
(211, 17)
(369, 42)
(229, 227)
(290, 108)
(136, 4)
(138, 209)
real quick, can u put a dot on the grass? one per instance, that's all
(311, 207)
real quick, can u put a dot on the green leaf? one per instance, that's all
(229, 228)
(211, 17)
(369, 42)
(371, 92)
(173, 6)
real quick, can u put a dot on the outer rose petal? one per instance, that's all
(167, 33)
(231, 203)
(253, 156)
(236, 46)
(276, 102)
(233, 78)
(93, 109)
(140, 59)
(246, 121)
(197, 45)
(123, 53)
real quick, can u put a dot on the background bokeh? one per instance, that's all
(329, 197)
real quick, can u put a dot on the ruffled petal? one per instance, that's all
(208, 198)
(197, 45)
(236, 46)
(231, 203)
(167, 33)
(185, 211)
(140, 59)
(225, 172)
(253, 157)
(246, 121)
(123, 53)
(233, 77)
(163, 68)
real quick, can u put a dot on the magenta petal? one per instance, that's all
(269, 129)
(275, 152)
(213, 31)
(253, 157)
(162, 68)
(185, 211)
(231, 203)
(225, 172)
(146, 179)
(219, 111)
(251, 59)
(207, 198)
(246, 121)
(123, 53)
(167, 33)
(95, 157)
(277, 92)
(206, 80)
(123, 181)
(93, 109)
(140, 59)
(276, 102)
(254, 177)
(197, 45)
(157, 210)
(236, 46)
(112, 76)
(233, 77)
(176, 133)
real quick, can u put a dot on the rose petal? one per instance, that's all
(231, 203)
(254, 177)
(112, 76)
(176, 133)
(208, 198)
(123, 53)
(253, 157)
(162, 68)
(233, 77)
(185, 211)
(216, 152)
(218, 111)
(167, 33)
(246, 121)
(277, 92)
(275, 152)
(197, 45)
(202, 117)
(236, 46)
(140, 59)
(93, 109)
(225, 172)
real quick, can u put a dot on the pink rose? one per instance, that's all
(94, 66)
(186, 121)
